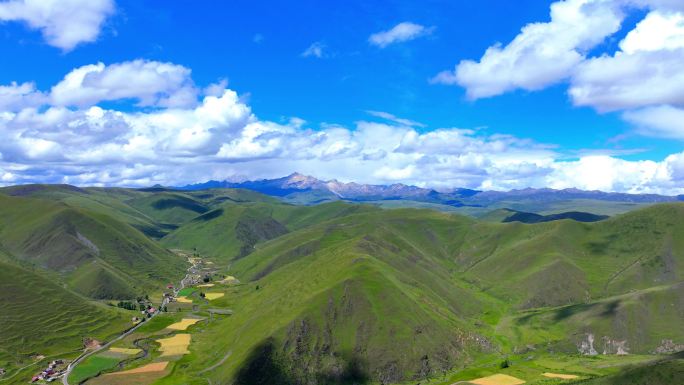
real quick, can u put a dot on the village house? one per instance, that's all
(51, 373)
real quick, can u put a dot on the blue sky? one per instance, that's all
(540, 112)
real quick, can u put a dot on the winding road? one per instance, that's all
(86, 354)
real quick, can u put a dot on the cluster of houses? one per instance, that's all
(51, 373)
(169, 297)
(192, 279)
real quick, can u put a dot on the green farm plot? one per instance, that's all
(158, 323)
(91, 367)
(184, 292)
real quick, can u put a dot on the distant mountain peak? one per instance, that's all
(300, 184)
(297, 175)
(302, 181)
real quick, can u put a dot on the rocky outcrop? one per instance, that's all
(609, 345)
(612, 346)
(668, 347)
(586, 346)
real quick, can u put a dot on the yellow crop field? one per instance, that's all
(125, 351)
(184, 324)
(561, 376)
(153, 367)
(183, 299)
(228, 280)
(206, 285)
(212, 296)
(497, 379)
(175, 346)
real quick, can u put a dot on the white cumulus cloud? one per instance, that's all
(647, 71)
(644, 78)
(63, 23)
(658, 31)
(151, 83)
(217, 136)
(15, 96)
(659, 121)
(542, 54)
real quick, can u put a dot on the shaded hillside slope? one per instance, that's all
(524, 217)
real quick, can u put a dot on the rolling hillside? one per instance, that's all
(93, 253)
(348, 293)
(39, 317)
(232, 229)
(402, 295)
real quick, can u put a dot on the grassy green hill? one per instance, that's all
(169, 208)
(402, 295)
(338, 312)
(662, 372)
(228, 230)
(93, 253)
(232, 229)
(39, 317)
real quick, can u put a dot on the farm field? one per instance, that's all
(143, 375)
(153, 367)
(561, 376)
(126, 351)
(92, 366)
(497, 379)
(184, 324)
(186, 291)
